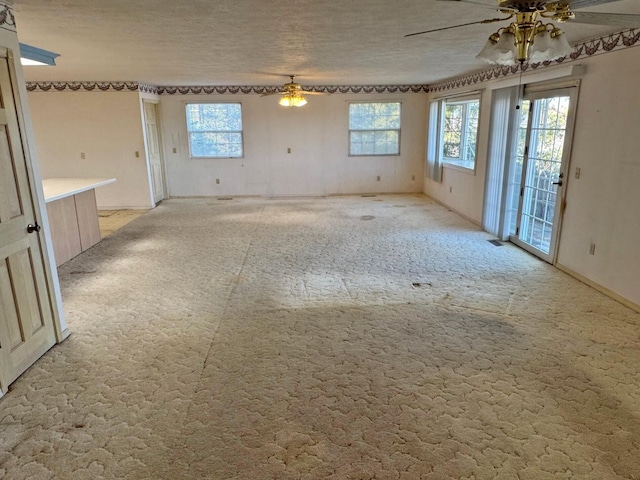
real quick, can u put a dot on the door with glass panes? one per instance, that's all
(541, 165)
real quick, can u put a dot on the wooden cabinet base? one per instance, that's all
(88, 224)
(74, 225)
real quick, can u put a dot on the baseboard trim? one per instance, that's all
(106, 207)
(293, 196)
(604, 290)
(449, 207)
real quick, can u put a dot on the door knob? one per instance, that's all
(559, 182)
(33, 228)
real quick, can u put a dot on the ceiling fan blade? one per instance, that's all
(480, 4)
(575, 4)
(268, 94)
(491, 20)
(615, 19)
(309, 92)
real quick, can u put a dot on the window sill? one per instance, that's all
(461, 168)
(374, 155)
(216, 158)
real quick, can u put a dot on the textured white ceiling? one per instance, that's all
(259, 42)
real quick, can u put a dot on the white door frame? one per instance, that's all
(160, 149)
(572, 93)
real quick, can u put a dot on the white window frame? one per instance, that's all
(398, 130)
(189, 132)
(464, 164)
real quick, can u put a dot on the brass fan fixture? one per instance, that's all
(292, 94)
(527, 38)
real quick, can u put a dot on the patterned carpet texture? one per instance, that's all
(331, 338)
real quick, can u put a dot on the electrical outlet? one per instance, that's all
(378, 178)
(577, 173)
(217, 181)
(413, 178)
(289, 150)
(592, 249)
(82, 156)
(137, 154)
(175, 150)
(450, 189)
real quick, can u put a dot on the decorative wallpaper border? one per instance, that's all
(7, 20)
(608, 43)
(616, 41)
(91, 87)
(86, 86)
(144, 88)
(208, 90)
(233, 90)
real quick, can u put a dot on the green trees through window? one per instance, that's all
(460, 132)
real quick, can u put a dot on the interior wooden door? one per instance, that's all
(153, 151)
(26, 321)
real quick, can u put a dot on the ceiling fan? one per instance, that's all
(292, 94)
(527, 38)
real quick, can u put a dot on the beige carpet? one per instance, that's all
(339, 338)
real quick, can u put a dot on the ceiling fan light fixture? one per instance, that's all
(293, 100)
(528, 39)
(540, 43)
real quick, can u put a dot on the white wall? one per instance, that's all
(602, 206)
(318, 137)
(461, 189)
(107, 128)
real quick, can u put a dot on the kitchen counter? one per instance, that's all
(57, 188)
(73, 214)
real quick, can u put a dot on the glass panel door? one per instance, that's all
(542, 155)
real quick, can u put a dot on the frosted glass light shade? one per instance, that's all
(542, 47)
(486, 53)
(295, 100)
(502, 52)
(505, 51)
(285, 101)
(561, 47)
(549, 46)
(299, 101)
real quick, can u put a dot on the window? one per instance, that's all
(215, 130)
(460, 132)
(374, 128)
(453, 134)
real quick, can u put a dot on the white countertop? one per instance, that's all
(57, 188)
